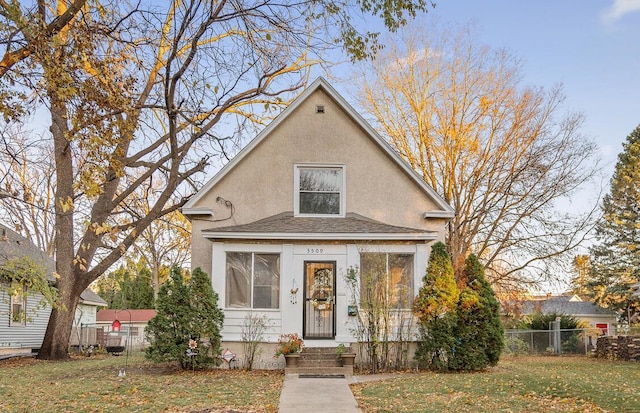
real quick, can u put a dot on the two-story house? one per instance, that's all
(318, 192)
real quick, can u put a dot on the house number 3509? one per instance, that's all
(315, 250)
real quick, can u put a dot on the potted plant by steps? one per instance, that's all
(290, 346)
(345, 354)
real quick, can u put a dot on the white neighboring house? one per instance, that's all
(23, 321)
(84, 323)
(133, 324)
(318, 192)
(572, 305)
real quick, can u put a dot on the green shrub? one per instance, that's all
(515, 346)
(435, 307)
(479, 332)
(186, 328)
(540, 321)
(458, 330)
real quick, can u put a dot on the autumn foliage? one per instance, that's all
(459, 329)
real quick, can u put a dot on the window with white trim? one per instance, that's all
(388, 277)
(319, 190)
(252, 280)
(18, 313)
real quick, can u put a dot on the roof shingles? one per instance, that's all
(286, 223)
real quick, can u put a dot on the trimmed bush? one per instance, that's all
(479, 332)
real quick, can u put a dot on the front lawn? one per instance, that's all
(520, 384)
(517, 384)
(93, 385)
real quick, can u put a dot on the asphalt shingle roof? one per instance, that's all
(14, 245)
(286, 223)
(562, 305)
(136, 316)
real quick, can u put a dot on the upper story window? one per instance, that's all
(319, 190)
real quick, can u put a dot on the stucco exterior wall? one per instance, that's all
(262, 183)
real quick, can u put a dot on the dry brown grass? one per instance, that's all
(93, 385)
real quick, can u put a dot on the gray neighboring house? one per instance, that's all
(591, 313)
(23, 321)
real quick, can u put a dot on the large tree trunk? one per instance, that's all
(56, 340)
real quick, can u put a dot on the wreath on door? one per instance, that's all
(321, 290)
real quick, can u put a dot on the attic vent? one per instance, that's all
(320, 109)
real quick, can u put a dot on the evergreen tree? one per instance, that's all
(479, 332)
(569, 325)
(129, 286)
(187, 324)
(435, 308)
(208, 316)
(540, 321)
(616, 259)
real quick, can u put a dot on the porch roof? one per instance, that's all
(286, 226)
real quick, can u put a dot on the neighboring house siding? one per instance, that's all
(85, 314)
(584, 311)
(133, 325)
(27, 336)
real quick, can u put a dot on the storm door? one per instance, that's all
(319, 299)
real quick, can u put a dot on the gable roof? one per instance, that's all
(564, 305)
(88, 297)
(14, 245)
(446, 211)
(285, 226)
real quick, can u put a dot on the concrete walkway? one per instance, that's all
(322, 395)
(311, 395)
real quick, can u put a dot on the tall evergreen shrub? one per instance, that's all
(435, 308)
(479, 333)
(187, 325)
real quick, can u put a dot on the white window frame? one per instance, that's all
(296, 189)
(19, 298)
(253, 253)
(410, 291)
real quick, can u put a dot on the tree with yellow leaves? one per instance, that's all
(500, 153)
(137, 96)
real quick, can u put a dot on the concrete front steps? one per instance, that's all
(320, 361)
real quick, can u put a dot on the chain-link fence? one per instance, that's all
(558, 341)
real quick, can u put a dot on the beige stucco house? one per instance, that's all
(316, 193)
